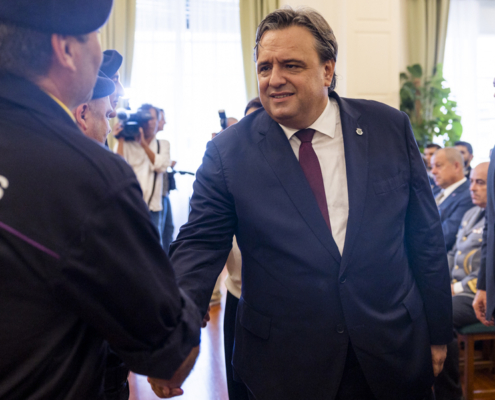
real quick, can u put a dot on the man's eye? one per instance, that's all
(264, 68)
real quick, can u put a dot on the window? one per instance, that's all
(188, 61)
(469, 68)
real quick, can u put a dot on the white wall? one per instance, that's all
(371, 38)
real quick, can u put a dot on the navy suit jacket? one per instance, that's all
(451, 210)
(302, 301)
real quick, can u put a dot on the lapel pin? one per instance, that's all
(359, 131)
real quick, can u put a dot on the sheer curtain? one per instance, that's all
(469, 68)
(188, 61)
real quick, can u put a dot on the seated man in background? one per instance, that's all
(466, 151)
(428, 152)
(464, 263)
(93, 117)
(149, 159)
(454, 199)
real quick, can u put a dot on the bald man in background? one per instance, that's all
(447, 167)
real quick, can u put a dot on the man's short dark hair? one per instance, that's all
(466, 145)
(253, 103)
(325, 41)
(433, 146)
(24, 52)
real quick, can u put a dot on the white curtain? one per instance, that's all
(188, 61)
(469, 68)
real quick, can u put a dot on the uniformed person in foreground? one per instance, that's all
(80, 261)
(464, 264)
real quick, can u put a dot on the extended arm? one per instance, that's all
(204, 242)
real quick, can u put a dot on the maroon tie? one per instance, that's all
(311, 168)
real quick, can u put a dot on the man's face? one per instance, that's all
(466, 155)
(88, 60)
(428, 153)
(119, 90)
(478, 185)
(161, 122)
(293, 83)
(151, 126)
(444, 172)
(97, 119)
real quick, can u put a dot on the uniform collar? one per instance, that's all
(26, 94)
(64, 107)
(324, 124)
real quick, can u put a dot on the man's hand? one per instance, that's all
(206, 318)
(479, 305)
(166, 389)
(117, 129)
(438, 355)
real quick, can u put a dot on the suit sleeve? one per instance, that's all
(119, 280)
(451, 225)
(426, 248)
(204, 242)
(481, 285)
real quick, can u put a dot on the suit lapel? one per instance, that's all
(356, 160)
(451, 199)
(279, 154)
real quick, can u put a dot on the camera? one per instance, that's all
(131, 122)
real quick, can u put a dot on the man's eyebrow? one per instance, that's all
(293, 60)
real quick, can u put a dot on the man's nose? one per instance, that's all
(277, 78)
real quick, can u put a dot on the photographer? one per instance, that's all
(148, 157)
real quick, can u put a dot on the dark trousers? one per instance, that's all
(237, 390)
(447, 384)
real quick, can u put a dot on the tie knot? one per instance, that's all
(305, 135)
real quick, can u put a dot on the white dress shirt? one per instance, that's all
(448, 191)
(137, 158)
(328, 143)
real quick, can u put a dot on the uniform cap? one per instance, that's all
(65, 17)
(112, 60)
(104, 86)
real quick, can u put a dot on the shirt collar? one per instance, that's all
(448, 191)
(324, 124)
(64, 107)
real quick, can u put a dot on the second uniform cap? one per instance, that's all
(104, 86)
(66, 17)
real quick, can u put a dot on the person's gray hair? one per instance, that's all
(24, 52)
(325, 41)
(452, 155)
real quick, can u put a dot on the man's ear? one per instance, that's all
(64, 51)
(81, 114)
(329, 71)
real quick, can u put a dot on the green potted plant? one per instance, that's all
(426, 101)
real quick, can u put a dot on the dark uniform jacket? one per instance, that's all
(80, 261)
(465, 256)
(303, 302)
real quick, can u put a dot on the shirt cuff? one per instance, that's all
(458, 288)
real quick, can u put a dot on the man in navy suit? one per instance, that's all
(345, 284)
(454, 199)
